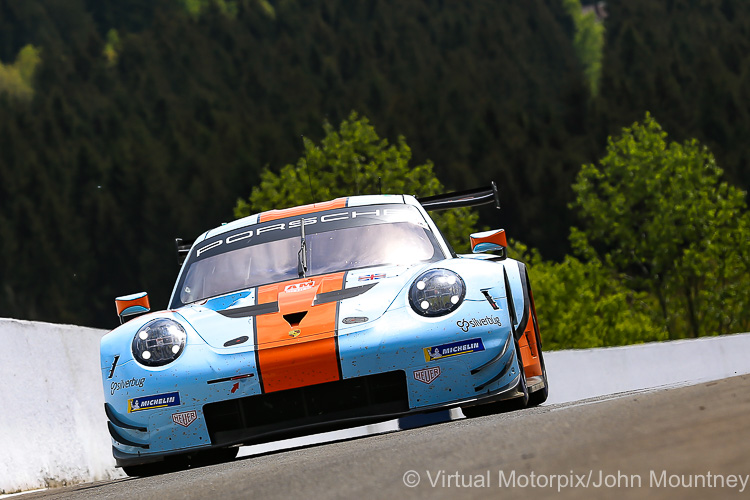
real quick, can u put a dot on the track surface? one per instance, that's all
(680, 433)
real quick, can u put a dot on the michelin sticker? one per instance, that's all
(453, 349)
(151, 402)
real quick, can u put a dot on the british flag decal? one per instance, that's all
(371, 277)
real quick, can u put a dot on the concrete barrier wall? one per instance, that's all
(53, 428)
(586, 373)
(52, 423)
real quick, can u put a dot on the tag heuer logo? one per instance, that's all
(427, 375)
(185, 418)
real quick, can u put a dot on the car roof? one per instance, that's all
(349, 201)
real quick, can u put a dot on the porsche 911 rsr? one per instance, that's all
(316, 318)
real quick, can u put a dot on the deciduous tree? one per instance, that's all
(659, 213)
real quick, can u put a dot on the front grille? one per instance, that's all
(271, 416)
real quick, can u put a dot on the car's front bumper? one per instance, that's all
(384, 373)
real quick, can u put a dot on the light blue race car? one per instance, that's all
(315, 318)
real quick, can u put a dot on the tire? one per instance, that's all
(538, 397)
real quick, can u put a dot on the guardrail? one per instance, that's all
(53, 429)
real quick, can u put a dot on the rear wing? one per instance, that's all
(468, 198)
(183, 249)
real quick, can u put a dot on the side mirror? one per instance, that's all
(489, 241)
(130, 305)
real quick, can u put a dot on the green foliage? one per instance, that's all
(583, 304)
(687, 63)
(114, 157)
(588, 42)
(111, 159)
(112, 47)
(663, 249)
(17, 79)
(228, 8)
(659, 213)
(354, 160)
(266, 6)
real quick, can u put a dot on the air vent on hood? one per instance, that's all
(295, 319)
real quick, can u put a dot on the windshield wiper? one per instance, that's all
(302, 254)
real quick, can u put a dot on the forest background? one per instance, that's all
(127, 123)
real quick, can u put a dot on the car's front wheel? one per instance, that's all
(539, 396)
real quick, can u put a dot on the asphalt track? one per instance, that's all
(634, 445)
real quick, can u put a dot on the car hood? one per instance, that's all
(319, 304)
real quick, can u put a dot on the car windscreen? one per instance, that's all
(336, 240)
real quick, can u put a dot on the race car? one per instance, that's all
(320, 317)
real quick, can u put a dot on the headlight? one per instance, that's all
(437, 292)
(159, 342)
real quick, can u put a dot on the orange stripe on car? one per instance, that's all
(296, 346)
(302, 210)
(529, 351)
